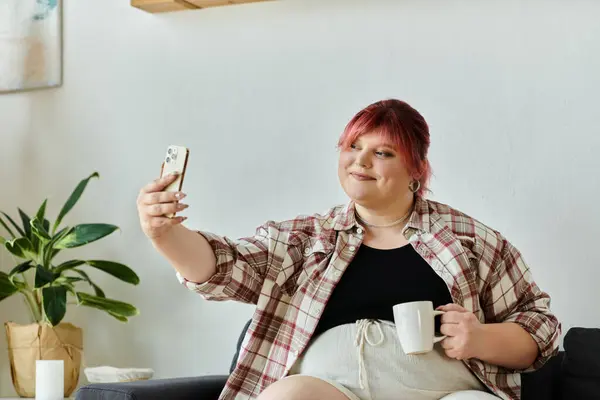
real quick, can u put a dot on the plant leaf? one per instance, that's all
(26, 223)
(70, 287)
(43, 277)
(109, 305)
(41, 213)
(53, 253)
(49, 251)
(38, 229)
(19, 269)
(68, 265)
(68, 280)
(14, 248)
(84, 234)
(119, 317)
(7, 289)
(99, 292)
(17, 227)
(21, 247)
(28, 232)
(118, 270)
(73, 199)
(55, 303)
(74, 279)
(10, 232)
(61, 234)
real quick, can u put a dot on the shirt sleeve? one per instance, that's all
(512, 295)
(242, 265)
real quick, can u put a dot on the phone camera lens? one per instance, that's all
(174, 151)
(168, 160)
(169, 151)
(173, 156)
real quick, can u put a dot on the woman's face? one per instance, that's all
(373, 173)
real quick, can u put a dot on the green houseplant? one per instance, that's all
(46, 284)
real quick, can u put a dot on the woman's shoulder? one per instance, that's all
(318, 228)
(464, 226)
(316, 222)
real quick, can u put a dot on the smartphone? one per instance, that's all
(176, 159)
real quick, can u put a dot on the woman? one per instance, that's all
(324, 285)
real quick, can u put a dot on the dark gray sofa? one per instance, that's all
(573, 374)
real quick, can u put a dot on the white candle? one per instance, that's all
(49, 379)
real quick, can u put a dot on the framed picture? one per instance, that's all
(30, 44)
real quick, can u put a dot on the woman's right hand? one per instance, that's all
(153, 203)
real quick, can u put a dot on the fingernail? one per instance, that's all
(179, 195)
(182, 206)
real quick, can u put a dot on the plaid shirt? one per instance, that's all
(289, 269)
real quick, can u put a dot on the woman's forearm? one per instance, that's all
(508, 345)
(188, 252)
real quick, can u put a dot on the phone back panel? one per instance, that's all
(175, 160)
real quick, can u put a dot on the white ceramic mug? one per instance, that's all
(416, 327)
(49, 379)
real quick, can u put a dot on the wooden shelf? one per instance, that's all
(157, 6)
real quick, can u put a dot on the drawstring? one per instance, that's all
(362, 335)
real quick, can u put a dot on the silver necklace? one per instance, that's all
(385, 225)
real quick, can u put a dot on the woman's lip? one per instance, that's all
(361, 176)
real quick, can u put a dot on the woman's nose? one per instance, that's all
(362, 160)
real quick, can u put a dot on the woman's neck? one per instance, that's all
(392, 215)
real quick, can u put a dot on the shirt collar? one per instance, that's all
(420, 219)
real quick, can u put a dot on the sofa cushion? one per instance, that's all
(194, 388)
(581, 364)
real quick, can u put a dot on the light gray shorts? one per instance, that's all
(365, 362)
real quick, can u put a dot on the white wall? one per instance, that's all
(260, 94)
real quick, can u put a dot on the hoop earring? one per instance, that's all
(412, 184)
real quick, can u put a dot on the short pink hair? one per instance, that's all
(400, 124)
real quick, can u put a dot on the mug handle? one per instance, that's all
(437, 339)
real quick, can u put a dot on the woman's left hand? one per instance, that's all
(464, 332)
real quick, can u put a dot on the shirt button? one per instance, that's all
(307, 250)
(359, 230)
(338, 273)
(352, 248)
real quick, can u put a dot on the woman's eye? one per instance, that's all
(383, 154)
(353, 146)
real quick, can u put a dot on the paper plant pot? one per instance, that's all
(28, 343)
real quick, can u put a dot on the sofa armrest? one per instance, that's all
(194, 388)
(543, 384)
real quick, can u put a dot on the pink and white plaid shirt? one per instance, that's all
(289, 269)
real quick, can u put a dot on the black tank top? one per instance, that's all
(376, 280)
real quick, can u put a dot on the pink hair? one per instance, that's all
(401, 125)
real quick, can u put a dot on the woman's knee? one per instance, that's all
(470, 395)
(301, 388)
